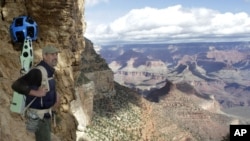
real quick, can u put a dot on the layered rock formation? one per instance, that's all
(219, 69)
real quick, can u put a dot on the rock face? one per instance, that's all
(96, 69)
(61, 24)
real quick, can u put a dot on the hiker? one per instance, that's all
(40, 98)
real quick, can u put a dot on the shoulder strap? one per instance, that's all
(45, 79)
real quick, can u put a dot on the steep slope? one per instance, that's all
(177, 116)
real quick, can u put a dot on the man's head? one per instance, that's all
(50, 55)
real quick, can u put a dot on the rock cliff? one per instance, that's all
(60, 23)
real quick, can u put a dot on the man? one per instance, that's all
(40, 98)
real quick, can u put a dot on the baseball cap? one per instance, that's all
(50, 49)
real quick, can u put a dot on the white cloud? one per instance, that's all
(94, 2)
(172, 24)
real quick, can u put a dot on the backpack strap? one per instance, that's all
(45, 79)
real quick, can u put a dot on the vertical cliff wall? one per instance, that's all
(61, 24)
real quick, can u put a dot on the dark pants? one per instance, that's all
(44, 130)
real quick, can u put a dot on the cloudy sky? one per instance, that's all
(169, 21)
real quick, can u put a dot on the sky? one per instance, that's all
(166, 21)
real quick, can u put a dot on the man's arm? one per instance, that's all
(24, 83)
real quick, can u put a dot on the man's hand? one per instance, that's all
(39, 93)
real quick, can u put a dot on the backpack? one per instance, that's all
(18, 100)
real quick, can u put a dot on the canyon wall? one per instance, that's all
(61, 24)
